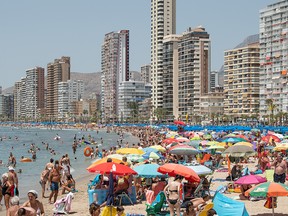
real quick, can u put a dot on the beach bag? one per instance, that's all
(268, 203)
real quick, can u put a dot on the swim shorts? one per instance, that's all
(54, 186)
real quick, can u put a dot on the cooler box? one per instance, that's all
(98, 196)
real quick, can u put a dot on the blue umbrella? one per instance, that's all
(110, 195)
(147, 155)
(148, 170)
(148, 149)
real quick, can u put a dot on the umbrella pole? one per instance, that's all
(273, 206)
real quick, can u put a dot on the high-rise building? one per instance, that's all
(114, 70)
(34, 92)
(194, 67)
(163, 22)
(20, 101)
(131, 93)
(68, 92)
(273, 37)
(146, 73)
(170, 76)
(57, 71)
(241, 79)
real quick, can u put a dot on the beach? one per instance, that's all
(80, 202)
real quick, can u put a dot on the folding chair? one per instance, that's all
(124, 195)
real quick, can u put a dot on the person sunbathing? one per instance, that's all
(69, 185)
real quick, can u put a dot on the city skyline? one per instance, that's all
(32, 35)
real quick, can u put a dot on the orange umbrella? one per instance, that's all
(104, 160)
(178, 169)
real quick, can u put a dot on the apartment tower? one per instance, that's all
(114, 70)
(241, 79)
(34, 92)
(163, 22)
(57, 71)
(274, 57)
(194, 67)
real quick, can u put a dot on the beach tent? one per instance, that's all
(226, 206)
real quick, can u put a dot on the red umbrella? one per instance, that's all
(179, 123)
(115, 168)
(269, 137)
(169, 140)
(178, 169)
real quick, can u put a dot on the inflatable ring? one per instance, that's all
(87, 151)
(26, 160)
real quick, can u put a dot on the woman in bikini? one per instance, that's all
(6, 190)
(172, 193)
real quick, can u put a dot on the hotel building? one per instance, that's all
(57, 71)
(114, 70)
(273, 36)
(163, 22)
(241, 79)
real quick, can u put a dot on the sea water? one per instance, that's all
(15, 138)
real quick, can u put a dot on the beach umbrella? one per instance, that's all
(116, 169)
(200, 169)
(135, 157)
(178, 169)
(268, 189)
(207, 136)
(281, 147)
(216, 147)
(244, 143)
(179, 123)
(149, 149)
(250, 179)
(169, 140)
(116, 156)
(195, 138)
(182, 139)
(233, 140)
(159, 148)
(148, 171)
(230, 135)
(212, 143)
(193, 143)
(268, 138)
(153, 155)
(181, 149)
(130, 151)
(104, 160)
(239, 151)
(242, 136)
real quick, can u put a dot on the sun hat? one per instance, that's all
(33, 192)
(11, 168)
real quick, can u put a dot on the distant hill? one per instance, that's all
(92, 82)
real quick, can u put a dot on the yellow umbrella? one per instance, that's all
(158, 147)
(244, 143)
(104, 160)
(281, 146)
(130, 151)
(213, 143)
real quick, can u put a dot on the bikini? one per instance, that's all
(173, 201)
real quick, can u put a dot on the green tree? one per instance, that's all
(271, 107)
(134, 111)
(160, 113)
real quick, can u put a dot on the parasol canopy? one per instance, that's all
(250, 179)
(178, 169)
(239, 151)
(130, 151)
(116, 169)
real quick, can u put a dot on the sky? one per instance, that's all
(34, 33)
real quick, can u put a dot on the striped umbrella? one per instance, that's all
(268, 189)
(183, 150)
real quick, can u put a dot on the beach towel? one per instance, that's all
(269, 174)
(149, 196)
(63, 205)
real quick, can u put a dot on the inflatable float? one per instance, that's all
(87, 151)
(26, 160)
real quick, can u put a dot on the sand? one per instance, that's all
(80, 201)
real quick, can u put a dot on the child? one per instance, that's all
(120, 211)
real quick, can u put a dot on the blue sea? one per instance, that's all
(14, 141)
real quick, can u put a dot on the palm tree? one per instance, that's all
(271, 107)
(134, 110)
(160, 113)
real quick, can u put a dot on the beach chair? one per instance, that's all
(156, 205)
(63, 205)
(198, 190)
(269, 174)
(124, 195)
(94, 182)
